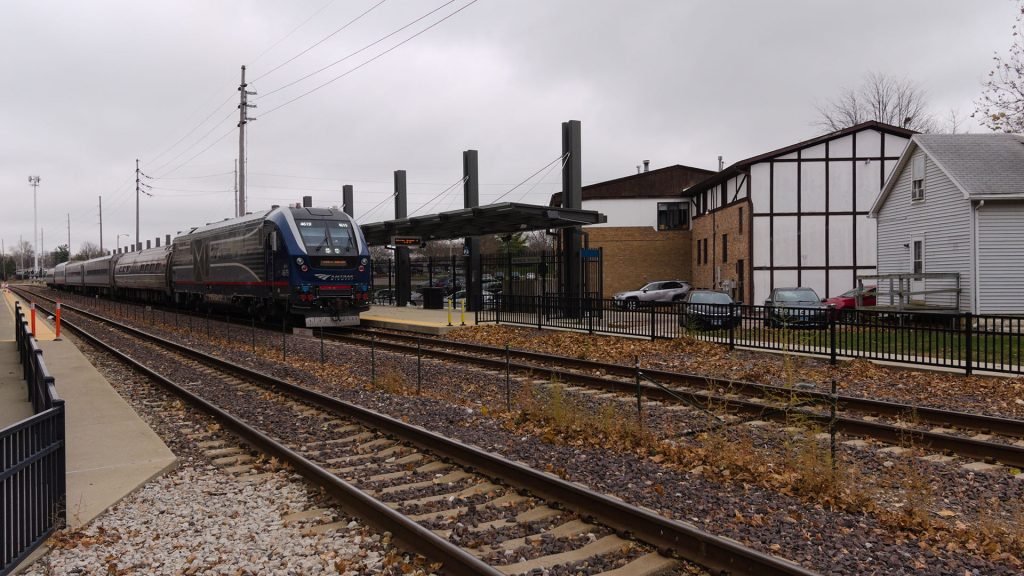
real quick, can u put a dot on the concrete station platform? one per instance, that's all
(415, 319)
(110, 451)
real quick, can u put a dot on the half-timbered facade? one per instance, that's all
(804, 209)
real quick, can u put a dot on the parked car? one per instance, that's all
(709, 310)
(848, 300)
(387, 296)
(492, 287)
(458, 298)
(661, 291)
(799, 306)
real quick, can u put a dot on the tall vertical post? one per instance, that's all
(471, 250)
(346, 200)
(69, 235)
(572, 198)
(403, 279)
(136, 201)
(101, 229)
(236, 187)
(243, 119)
(34, 182)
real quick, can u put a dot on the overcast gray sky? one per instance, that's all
(88, 87)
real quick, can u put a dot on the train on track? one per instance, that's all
(310, 264)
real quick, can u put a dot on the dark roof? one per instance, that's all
(742, 165)
(667, 182)
(505, 218)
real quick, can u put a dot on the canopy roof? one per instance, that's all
(505, 218)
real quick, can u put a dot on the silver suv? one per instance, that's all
(661, 291)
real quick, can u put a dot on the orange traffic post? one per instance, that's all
(32, 306)
(57, 321)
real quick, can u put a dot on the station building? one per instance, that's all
(795, 216)
(647, 236)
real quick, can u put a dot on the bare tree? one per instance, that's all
(1001, 105)
(882, 98)
(88, 250)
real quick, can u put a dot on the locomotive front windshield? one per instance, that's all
(327, 237)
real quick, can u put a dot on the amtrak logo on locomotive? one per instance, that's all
(327, 277)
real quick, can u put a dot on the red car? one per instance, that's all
(848, 300)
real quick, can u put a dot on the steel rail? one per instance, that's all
(936, 416)
(1008, 454)
(716, 553)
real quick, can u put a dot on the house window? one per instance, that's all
(917, 183)
(673, 216)
(725, 247)
(918, 256)
(725, 194)
(741, 219)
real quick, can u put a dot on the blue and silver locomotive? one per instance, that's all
(312, 264)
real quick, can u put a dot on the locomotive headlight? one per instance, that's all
(364, 261)
(300, 261)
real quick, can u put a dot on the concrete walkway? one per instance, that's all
(14, 404)
(110, 450)
(415, 319)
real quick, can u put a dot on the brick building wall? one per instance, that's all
(731, 255)
(636, 255)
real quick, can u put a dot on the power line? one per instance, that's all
(364, 48)
(371, 210)
(335, 79)
(319, 42)
(443, 192)
(294, 30)
(193, 145)
(191, 177)
(190, 132)
(197, 154)
(562, 157)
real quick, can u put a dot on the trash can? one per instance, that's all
(433, 298)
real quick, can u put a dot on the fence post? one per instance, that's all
(540, 315)
(508, 378)
(284, 339)
(321, 344)
(732, 325)
(590, 315)
(639, 397)
(652, 321)
(969, 344)
(831, 335)
(373, 359)
(419, 366)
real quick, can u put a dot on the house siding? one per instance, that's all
(1000, 257)
(942, 219)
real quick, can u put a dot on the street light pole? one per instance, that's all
(34, 182)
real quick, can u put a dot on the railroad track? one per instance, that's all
(441, 498)
(950, 432)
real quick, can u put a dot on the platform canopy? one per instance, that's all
(505, 218)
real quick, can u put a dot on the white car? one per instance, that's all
(661, 291)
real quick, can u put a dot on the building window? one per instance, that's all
(725, 194)
(918, 256)
(673, 216)
(725, 247)
(917, 184)
(741, 219)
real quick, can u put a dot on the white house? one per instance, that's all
(807, 208)
(955, 204)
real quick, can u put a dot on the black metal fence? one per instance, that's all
(962, 341)
(32, 478)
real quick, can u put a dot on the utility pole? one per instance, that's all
(243, 118)
(236, 187)
(136, 201)
(3, 259)
(69, 232)
(42, 248)
(34, 182)
(101, 229)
